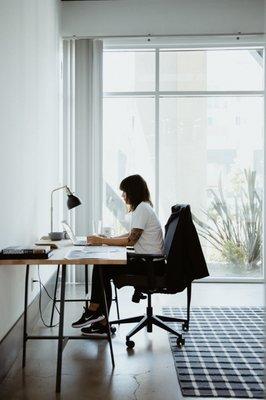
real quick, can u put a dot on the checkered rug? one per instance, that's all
(224, 352)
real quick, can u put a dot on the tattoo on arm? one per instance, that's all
(134, 236)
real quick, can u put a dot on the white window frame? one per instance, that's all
(156, 94)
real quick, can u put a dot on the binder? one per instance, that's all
(23, 252)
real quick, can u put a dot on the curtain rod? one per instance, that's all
(149, 35)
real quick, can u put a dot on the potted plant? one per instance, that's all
(235, 230)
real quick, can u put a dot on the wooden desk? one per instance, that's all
(57, 257)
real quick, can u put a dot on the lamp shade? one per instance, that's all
(72, 201)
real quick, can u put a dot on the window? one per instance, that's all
(191, 123)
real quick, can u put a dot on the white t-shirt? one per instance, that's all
(151, 239)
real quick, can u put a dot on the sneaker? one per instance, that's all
(95, 329)
(87, 318)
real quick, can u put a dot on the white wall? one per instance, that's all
(29, 126)
(140, 17)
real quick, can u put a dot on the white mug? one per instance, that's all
(107, 231)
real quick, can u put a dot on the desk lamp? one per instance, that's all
(72, 201)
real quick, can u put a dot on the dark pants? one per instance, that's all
(110, 272)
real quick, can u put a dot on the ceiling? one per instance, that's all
(87, 0)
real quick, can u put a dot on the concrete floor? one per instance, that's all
(145, 373)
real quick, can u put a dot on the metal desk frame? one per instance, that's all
(61, 338)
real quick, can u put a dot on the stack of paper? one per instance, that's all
(95, 252)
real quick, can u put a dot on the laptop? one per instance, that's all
(76, 240)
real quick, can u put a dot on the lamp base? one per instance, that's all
(56, 235)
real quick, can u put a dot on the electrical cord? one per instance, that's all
(40, 301)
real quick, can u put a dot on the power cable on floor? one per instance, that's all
(41, 285)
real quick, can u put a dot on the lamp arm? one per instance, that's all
(68, 191)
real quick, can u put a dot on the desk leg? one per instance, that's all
(25, 316)
(106, 317)
(61, 331)
(86, 285)
(54, 298)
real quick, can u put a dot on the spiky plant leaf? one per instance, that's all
(236, 232)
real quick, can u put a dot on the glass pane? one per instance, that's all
(128, 148)
(127, 71)
(213, 149)
(211, 70)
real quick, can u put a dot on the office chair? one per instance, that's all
(168, 274)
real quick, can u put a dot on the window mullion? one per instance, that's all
(157, 155)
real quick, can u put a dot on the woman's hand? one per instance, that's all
(95, 240)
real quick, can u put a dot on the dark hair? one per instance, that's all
(136, 190)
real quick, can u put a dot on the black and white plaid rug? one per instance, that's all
(224, 352)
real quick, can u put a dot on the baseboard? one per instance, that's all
(11, 344)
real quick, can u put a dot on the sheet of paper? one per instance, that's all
(94, 252)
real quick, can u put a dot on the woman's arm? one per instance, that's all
(128, 240)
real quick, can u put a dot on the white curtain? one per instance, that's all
(83, 133)
(88, 123)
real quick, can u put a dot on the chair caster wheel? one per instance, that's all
(130, 344)
(185, 327)
(113, 330)
(180, 342)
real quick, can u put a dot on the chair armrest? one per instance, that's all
(145, 257)
(151, 265)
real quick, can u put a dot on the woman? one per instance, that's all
(146, 237)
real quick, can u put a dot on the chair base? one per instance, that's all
(148, 321)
